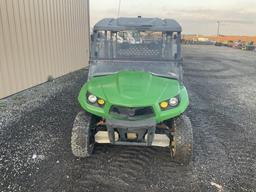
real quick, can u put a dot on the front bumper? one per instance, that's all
(141, 133)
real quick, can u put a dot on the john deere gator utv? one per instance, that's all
(134, 94)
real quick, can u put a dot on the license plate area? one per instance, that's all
(130, 136)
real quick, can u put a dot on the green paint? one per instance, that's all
(134, 89)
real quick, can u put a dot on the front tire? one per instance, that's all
(182, 140)
(82, 138)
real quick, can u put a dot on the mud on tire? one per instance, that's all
(82, 138)
(182, 145)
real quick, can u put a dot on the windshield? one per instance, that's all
(135, 45)
(154, 52)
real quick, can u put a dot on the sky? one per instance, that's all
(237, 17)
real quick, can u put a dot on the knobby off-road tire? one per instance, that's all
(182, 145)
(82, 139)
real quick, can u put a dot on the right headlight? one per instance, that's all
(94, 100)
(173, 102)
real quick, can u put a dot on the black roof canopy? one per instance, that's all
(138, 23)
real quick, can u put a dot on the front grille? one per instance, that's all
(131, 112)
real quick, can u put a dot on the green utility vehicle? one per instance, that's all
(134, 94)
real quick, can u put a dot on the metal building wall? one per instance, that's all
(41, 38)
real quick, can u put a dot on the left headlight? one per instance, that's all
(170, 103)
(92, 99)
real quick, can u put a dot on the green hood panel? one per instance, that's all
(133, 88)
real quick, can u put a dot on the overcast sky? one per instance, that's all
(238, 17)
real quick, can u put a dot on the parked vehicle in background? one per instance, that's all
(238, 45)
(218, 44)
(230, 43)
(248, 47)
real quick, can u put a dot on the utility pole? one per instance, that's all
(119, 6)
(218, 28)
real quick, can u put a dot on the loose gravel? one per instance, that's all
(36, 124)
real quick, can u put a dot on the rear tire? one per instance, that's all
(82, 139)
(182, 140)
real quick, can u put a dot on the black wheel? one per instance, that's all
(82, 139)
(182, 140)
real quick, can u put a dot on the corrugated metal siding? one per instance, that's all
(41, 38)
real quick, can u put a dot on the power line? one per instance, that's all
(218, 28)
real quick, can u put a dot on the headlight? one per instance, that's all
(96, 101)
(173, 102)
(170, 103)
(92, 98)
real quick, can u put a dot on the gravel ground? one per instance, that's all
(36, 126)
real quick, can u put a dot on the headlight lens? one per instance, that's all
(173, 102)
(169, 103)
(92, 98)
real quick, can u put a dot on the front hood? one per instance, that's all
(129, 88)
